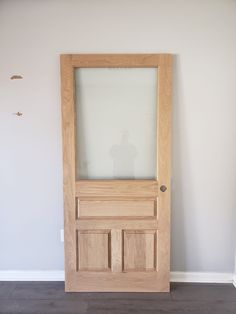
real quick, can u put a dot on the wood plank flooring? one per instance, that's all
(49, 297)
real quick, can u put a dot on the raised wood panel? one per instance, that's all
(94, 250)
(139, 250)
(96, 209)
(116, 188)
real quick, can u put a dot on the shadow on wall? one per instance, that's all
(182, 187)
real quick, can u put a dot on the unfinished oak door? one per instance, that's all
(116, 121)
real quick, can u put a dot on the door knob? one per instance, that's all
(163, 188)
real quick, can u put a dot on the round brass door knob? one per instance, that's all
(163, 188)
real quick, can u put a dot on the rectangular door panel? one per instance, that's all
(139, 250)
(123, 189)
(119, 208)
(94, 250)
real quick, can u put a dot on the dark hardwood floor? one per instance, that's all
(49, 297)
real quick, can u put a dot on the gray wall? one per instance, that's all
(201, 34)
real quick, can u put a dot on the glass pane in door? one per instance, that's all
(116, 123)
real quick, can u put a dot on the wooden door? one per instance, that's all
(117, 232)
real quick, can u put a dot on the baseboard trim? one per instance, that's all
(58, 275)
(204, 277)
(32, 275)
(234, 280)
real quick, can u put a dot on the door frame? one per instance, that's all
(164, 108)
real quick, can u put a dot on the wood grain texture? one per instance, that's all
(116, 250)
(139, 250)
(164, 164)
(118, 60)
(68, 134)
(119, 282)
(117, 188)
(114, 209)
(94, 253)
(122, 224)
(97, 256)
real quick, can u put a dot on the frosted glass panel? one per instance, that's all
(116, 123)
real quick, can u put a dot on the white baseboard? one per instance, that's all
(32, 275)
(234, 280)
(58, 275)
(204, 277)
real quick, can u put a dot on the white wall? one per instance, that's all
(201, 34)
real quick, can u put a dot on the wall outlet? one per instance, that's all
(62, 235)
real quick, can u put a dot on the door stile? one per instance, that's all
(164, 165)
(68, 133)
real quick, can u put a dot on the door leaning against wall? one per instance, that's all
(116, 120)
